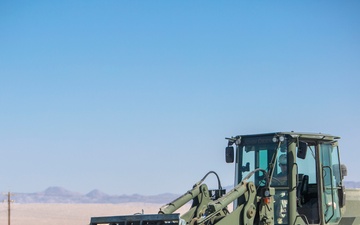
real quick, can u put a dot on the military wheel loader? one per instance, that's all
(280, 178)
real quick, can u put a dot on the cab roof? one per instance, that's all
(301, 135)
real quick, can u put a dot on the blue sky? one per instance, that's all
(138, 96)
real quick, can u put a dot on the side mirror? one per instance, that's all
(302, 149)
(229, 154)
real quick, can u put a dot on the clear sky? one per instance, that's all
(138, 96)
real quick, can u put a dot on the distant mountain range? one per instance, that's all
(61, 195)
(352, 184)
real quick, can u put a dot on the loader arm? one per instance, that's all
(200, 197)
(250, 205)
(203, 211)
(217, 212)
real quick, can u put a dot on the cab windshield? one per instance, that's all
(261, 152)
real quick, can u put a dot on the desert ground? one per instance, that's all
(70, 214)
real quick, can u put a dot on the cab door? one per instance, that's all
(331, 182)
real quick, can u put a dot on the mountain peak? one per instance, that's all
(96, 194)
(58, 191)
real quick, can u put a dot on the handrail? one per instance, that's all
(332, 193)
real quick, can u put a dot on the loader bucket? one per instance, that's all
(141, 219)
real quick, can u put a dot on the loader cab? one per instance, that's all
(303, 170)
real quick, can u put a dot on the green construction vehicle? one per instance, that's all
(280, 178)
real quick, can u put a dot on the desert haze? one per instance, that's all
(71, 214)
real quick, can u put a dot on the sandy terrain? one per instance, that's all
(70, 214)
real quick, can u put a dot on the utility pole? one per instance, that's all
(9, 201)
